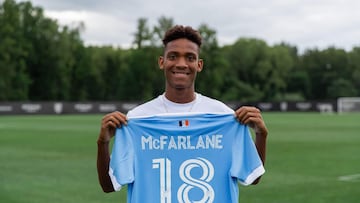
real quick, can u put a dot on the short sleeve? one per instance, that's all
(246, 163)
(121, 168)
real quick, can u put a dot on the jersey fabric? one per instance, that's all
(161, 105)
(184, 158)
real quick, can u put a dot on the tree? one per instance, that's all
(159, 30)
(40, 60)
(142, 35)
(297, 80)
(325, 67)
(142, 79)
(249, 64)
(211, 79)
(281, 65)
(36, 53)
(14, 79)
(298, 85)
(354, 62)
(341, 88)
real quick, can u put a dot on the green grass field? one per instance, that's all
(53, 159)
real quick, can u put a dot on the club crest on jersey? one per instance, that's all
(184, 123)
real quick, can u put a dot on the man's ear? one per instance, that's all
(200, 65)
(161, 62)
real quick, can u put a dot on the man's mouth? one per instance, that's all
(180, 72)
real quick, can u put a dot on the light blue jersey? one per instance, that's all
(184, 158)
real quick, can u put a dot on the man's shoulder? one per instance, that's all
(148, 108)
(208, 99)
(211, 104)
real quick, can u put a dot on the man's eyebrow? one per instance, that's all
(171, 52)
(177, 53)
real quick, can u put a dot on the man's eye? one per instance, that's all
(171, 57)
(191, 58)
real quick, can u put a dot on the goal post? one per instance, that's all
(348, 104)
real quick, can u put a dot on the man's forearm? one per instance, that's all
(103, 161)
(260, 142)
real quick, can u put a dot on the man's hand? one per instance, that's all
(252, 116)
(109, 123)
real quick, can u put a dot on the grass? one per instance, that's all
(53, 159)
(50, 159)
(307, 153)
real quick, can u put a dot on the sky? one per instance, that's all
(306, 24)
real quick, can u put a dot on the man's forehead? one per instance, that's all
(182, 45)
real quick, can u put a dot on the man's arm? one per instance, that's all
(260, 143)
(252, 116)
(108, 126)
(103, 160)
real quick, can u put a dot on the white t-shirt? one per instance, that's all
(161, 105)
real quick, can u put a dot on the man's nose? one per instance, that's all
(181, 62)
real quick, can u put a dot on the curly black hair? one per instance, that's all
(179, 31)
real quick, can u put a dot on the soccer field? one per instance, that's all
(311, 158)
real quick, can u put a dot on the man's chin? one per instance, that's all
(180, 87)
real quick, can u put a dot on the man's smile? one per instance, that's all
(180, 72)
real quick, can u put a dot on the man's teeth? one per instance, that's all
(181, 73)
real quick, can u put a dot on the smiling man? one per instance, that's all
(241, 158)
(181, 65)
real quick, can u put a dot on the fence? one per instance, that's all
(59, 107)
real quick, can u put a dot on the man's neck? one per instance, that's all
(180, 96)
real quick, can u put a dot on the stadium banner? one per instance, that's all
(98, 107)
(300, 106)
(8, 108)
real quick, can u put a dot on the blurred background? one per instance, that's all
(64, 64)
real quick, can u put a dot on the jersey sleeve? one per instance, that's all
(121, 168)
(246, 163)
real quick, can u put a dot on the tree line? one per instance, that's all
(43, 61)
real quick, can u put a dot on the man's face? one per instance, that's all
(181, 63)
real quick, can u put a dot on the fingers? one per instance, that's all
(109, 123)
(248, 114)
(114, 120)
(252, 116)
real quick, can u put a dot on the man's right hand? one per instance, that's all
(109, 123)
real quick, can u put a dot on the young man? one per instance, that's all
(180, 64)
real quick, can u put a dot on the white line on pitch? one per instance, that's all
(350, 178)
